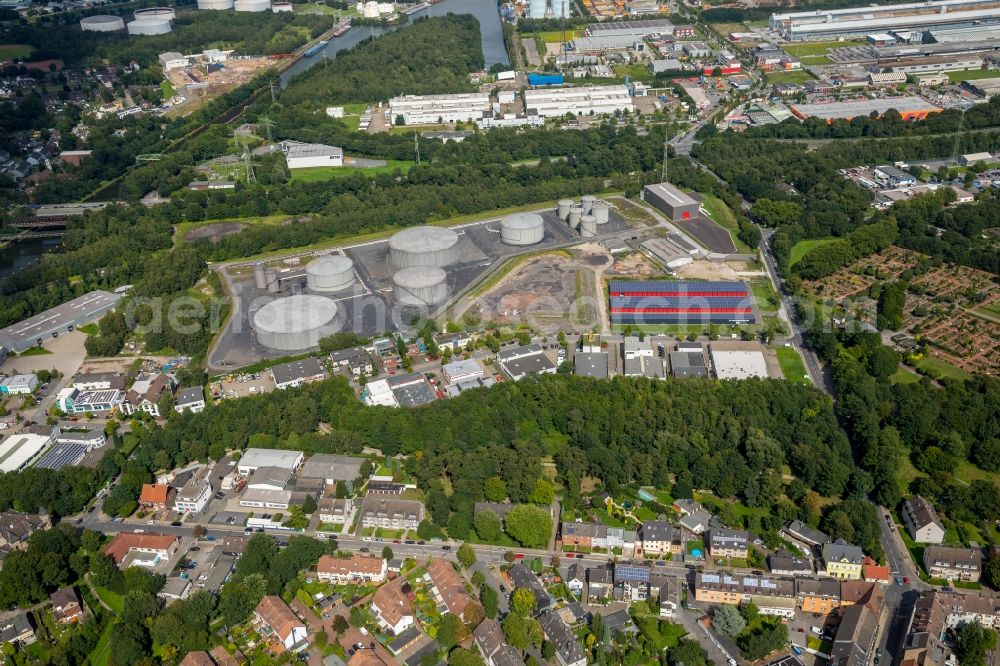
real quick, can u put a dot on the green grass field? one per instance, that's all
(317, 174)
(792, 366)
(166, 89)
(937, 366)
(14, 51)
(969, 74)
(721, 215)
(181, 230)
(815, 60)
(89, 329)
(799, 249)
(767, 297)
(815, 48)
(989, 313)
(793, 76)
(559, 36)
(903, 376)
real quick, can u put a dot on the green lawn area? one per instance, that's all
(799, 249)
(166, 89)
(916, 549)
(101, 653)
(936, 366)
(767, 297)
(695, 545)
(558, 36)
(642, 513)
(903, 376)
(636, 72)
(14, 51)
(662, 634)
(792, 76)
(814, 643)
(181, 230)
(969, 74)
(721, 215)
(35, 351)
(967, 585)
(110, 598)
(815, 60)
(89, 329)
(968, 472)
(989, 313)
(815, 48)
(385, 533)
(326, 173)
(607, 519)
(792, 366)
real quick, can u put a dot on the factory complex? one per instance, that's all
(376, 286)
(827, 24)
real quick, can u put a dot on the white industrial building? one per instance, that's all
(585, 100)
(253, 459)
(865, 20)
(738, 360)
(305, 155)
(172, 60)
(432, 109)
(20, 450)
(19, 385)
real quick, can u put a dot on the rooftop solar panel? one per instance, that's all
(62, 455)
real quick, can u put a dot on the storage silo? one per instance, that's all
(424, 246)
(156, 13)
(587, 202)
(536, 8)
(420, 285)
(522, 229)
(563, 209)
(149, 26)
(588, 226)
(102, 23)
(296, 323)
(252, 5)
(600, 211)
(259, 276)
(332, 272)
(215, 4)
(271, 277)
(575, 213)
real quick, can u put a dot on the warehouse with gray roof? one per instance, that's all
(61, 319)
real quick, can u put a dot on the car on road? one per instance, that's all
(503, 588)
(91, 509)
(248, 530)
(150, 522)
(947, 588)
(445, 547)
(906, 580)
(519, 556)
(260, 530)
(409, 542)
(661, 563)
(194, 549)
(366, 550)
(395, 541)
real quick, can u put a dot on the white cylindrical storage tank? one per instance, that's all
(420, 285)
(215, 4)
(271, 278)
(536, 8)
(588, 203)
(385, 8)
(563, 208)
(600, 211)
(522, 229)
(370, 9)
(588, 226)
(149, 26)
(296, 323)
(424, 246)
(575, 213)
(331, 272)
(156, 12)
(252, 5)
(102, 23)
(259, 276)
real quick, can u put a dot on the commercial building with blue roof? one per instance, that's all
(682, 302)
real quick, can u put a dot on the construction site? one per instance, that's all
(207, 75)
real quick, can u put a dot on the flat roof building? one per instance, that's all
(583, 100)
(660, 302)
(305, 155)
(738, 360)
(910, 108)
(433, 109)
(296, 373)
(252, 459)
(671, 201)
(591, 365)
(60, 319)
(462, 370)
(20, 450)
(635, 29)
(522, 361)
(332, 468)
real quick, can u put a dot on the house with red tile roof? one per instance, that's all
(156, 496)
(273, 616)
(129, 548)
(449, 586)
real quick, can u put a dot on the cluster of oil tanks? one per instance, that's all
(297, 322)
(420, 254)
(584, 217)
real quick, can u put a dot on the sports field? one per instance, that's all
(14, 51)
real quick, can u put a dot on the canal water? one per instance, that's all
(485, 11)
(16, 257)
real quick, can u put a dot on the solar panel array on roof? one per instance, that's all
(634, 302)
(631, 572)
(709, 578)
(62, 455)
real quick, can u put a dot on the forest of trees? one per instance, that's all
(863, 241)
(431, 56)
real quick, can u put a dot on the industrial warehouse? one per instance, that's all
(682, 302)
(861, 21)
(290, 304)
(61, 319)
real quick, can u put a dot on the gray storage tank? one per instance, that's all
(102, 23)
(420, 285)
(424, 246)
(149, 26)
(522, 229)
(588, 226)
(156, 13)
(331, 272)
(271, 277)
(600, 211)
(575, 213)
(296, 323)
(563, 209)
(588, 203)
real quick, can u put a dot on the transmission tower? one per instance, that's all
(247, 164)
(268, 124)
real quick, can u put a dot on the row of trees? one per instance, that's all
(863, 241)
